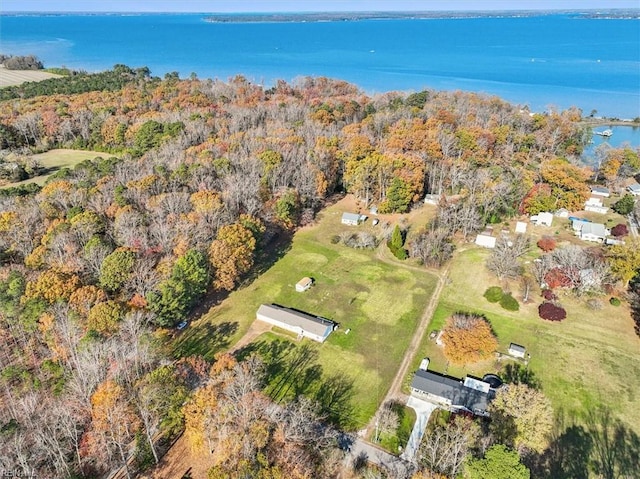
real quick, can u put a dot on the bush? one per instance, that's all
(615, 302)
(493, 294)
(624, 206)
(551, 312)
(546, 244)
(335, 239)
(509, 303)
(619, 230)
(549, 295)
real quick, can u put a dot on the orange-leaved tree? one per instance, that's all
(468, 338)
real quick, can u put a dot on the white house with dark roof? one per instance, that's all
(600, 191)
(303, 324)
(470, 395)
(634, 189)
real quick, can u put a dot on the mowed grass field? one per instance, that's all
(590, 359)
(54, 160)
(379, 300)
(17, 77)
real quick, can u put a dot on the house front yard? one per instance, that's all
(588, 360)
(377, 300)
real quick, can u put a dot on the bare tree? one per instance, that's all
(445, 448)
(504, 258)
(386, 419)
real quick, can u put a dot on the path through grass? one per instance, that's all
(590, 359)
(379, 302)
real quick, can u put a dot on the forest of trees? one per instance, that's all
(196, 177)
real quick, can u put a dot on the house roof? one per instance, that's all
(596, 229)
(600, 189)
(517, 347)
(351, 216)
(311, 324)
(305, 281)
(635, 187)
(451, 389)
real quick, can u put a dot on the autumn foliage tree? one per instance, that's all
(521, 417)
(546, 244)
(113, 424)
(468, 338)
(231, 254)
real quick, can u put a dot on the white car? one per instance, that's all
(182, 325)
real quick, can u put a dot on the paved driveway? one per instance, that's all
(423, 411)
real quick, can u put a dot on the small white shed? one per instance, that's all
(304, 284)
(486, 241)
(521, 227)
(516, 350)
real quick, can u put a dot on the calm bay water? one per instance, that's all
(540, 61)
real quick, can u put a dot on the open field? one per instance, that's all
(17, 77)
(54, 160)
(589, 359)
(379, 300)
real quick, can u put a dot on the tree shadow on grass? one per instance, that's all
(515, 373)
(604, 445)
(293, 370)
(206, 340)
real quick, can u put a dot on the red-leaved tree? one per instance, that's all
(546, 244)
(551, 312)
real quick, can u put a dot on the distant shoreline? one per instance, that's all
(417, 15)
(279, 17)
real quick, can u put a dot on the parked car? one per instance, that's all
(182, 325)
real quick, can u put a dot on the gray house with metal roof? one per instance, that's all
(303, 324)
(470, 395)
(352, 219)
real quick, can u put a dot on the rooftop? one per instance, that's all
(351, 216)
(292, 317)
(596, 229)
(451, 389)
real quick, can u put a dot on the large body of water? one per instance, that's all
(543, 61)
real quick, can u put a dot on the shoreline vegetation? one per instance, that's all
(417, 15)
(14, 78)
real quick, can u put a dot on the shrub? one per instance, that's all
(615, 301)
(620, 230)
(551, 312)
(335, 239)
(557, 278)
(509, 303)
(624, 205)
(546, 244)
(399, 253)
(549, 295)
(493, 294)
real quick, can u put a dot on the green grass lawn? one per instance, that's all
(589, 359)
(54, 160)
(379, 302)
